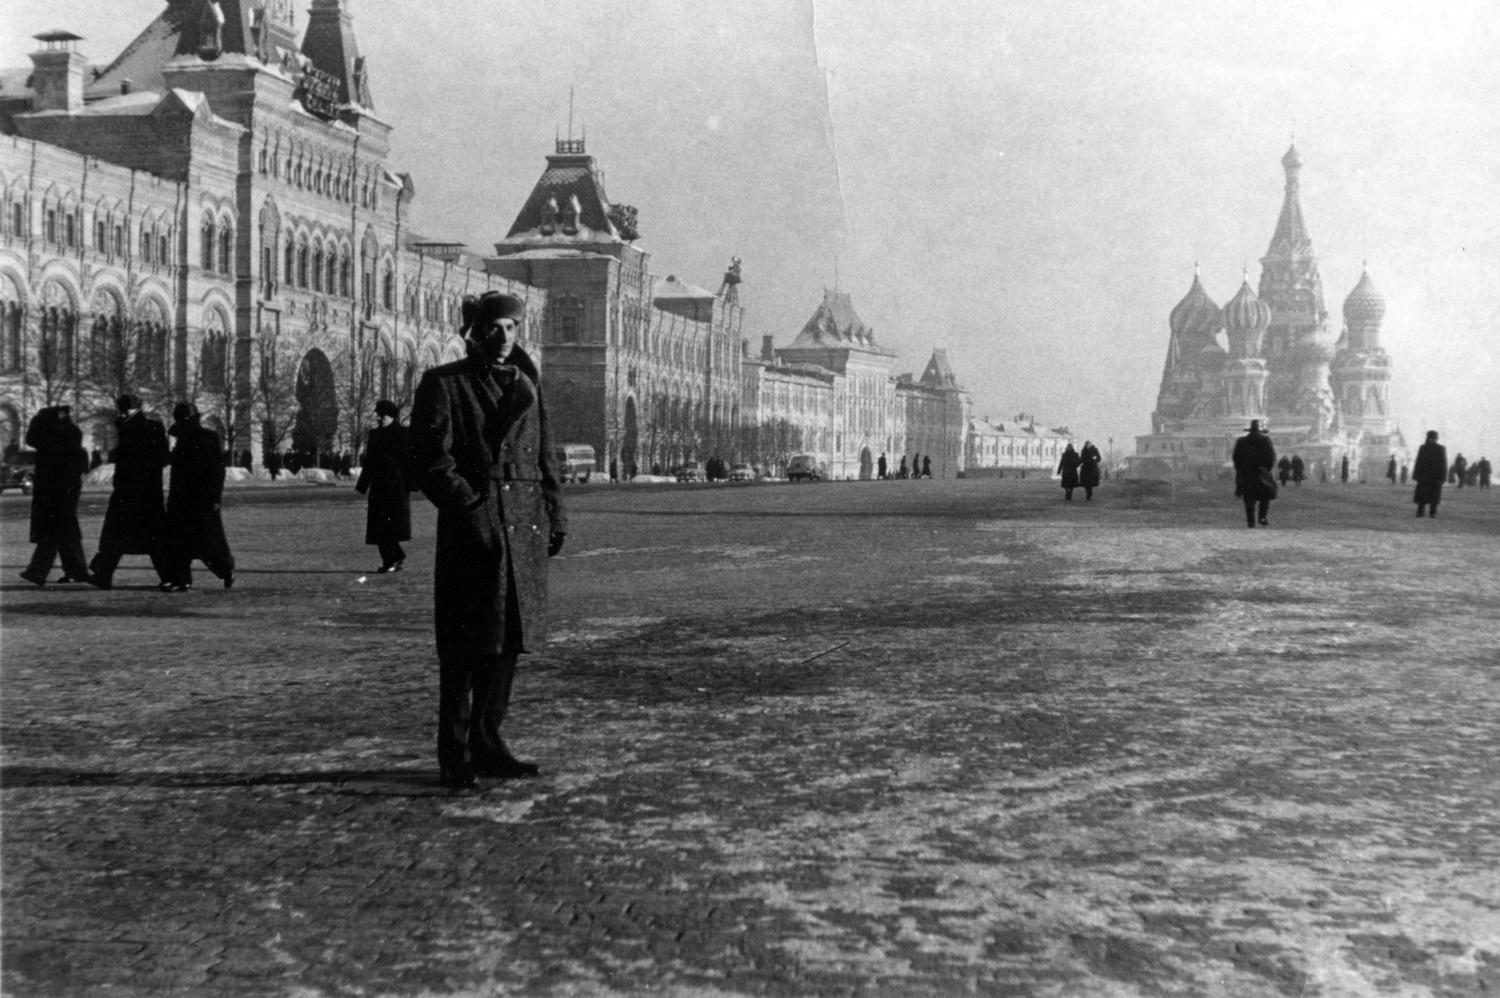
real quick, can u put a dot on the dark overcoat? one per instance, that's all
(57, 480)
(1254, 457)
(1068, 467)
(194, 526)
(482, 449)
(383, 474)
(1430, 472)
(133, 521)
(1088, 470)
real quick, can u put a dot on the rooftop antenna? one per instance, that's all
(570, 114)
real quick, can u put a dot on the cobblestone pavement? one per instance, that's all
(885, 739)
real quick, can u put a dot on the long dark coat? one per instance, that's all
(1068, 467)
(194, 527)
(1088, 470)
(483, 450)
(383, 474)
(133, 521)
(57, 480)
(1430, 472)
(1254, 454)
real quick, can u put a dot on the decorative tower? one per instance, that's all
(1291, 286)
(1246, 319)
(1194, 324)
(1362, 372)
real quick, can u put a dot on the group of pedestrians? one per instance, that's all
(187, 526)
(1080, 469)
(921, 467)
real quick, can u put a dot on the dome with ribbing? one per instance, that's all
(1196, 315)
(1365, 306)
(1245, 320)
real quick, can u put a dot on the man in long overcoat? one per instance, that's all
(56, 485)
(1254, 483)
(384, 474)
(1067, 466)
(194, 526)
(133, 521)
(483, 450)
(1429, 472)
(1089, 460)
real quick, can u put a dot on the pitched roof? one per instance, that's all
(568, 175)
(938, 372)
(835, 323)
(1290, 238)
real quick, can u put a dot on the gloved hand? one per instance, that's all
(555, 542)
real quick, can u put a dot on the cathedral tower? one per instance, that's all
(1246, 319)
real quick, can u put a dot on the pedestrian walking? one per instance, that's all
(927, 466)
(1088, 468)
(1390, 469)
(1344, 469)
(880, 467)
(1484, 472)
(1460, 469)
(133, 521)
(385, 475)
(483, 450)
(1283, 470)
(194, 526)
(614, 470)
(57, 482)
(1254, 457)
(1067, 467)
(1429, 472)
(916, 466)
(1299, 471)
(1405, 471)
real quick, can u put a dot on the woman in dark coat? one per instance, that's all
(483, 450)
(1088, 468)
(1429, 472)
(1068, 468)
(133, 521)
(56, 485)
(383, 474)
(194, 527)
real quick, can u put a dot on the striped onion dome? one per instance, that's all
(1196, 315)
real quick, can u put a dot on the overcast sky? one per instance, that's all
(1026, 185)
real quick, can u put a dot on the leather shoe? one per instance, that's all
(505, 766)
(33, 579)
(229, 581)
(458, 778)
(100, 582)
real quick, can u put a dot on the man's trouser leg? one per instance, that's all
(454, 682)
(492, 685)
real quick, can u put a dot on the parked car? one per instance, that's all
(741, 473)
(17, 472)
(804, 467)
(691, 472)
(575, 462)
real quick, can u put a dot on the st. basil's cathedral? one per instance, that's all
(1271, 355)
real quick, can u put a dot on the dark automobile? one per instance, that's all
(17, 472)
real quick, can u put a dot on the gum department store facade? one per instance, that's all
(211, 216)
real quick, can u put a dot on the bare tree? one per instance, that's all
(360, 389)
(275, 390)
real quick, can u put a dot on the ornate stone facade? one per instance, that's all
(1272, 356)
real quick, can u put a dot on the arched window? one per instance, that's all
(302, 264)
(226, 249)
(119, 240)
(345, 274)
(70, 228)
(101, 235)
(145, 245)
(163, 248)
(317, 267)
(213, 358)
(331, 273)
(568, 311)
(388, 289)
(49, 226)
(12, 317)
(289, 271)
(209, 238)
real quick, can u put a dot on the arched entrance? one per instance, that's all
(866, 465)
(630, 442)
(317, 406)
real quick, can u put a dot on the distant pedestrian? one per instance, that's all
(1088, 469)
(901, 471)
(194, 526)
(1405, 471)
(95, 459)
(1390, 469)
(57, 482)
(1430, 470)
(273, 464)
(133, 521)
(1460, 469)
(880, 467)
(1283, 470)
(1344, 469)
(916, 466)
(484, 452)
(614, 470)
(927, 466)
(1254, 457)
(385, 475)
(1067, 467)
(1484, 472)
(1299, 471)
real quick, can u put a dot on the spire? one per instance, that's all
(329, 45)
(1291, 237)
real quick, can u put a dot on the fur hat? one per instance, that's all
(385, 407)
(127, 402)
(183, 411)
(490, 306)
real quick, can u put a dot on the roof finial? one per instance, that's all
(570, 114)
(1197, 271)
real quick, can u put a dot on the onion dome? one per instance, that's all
(1364, 307)
(1196, 315)
(1245, 320)
(1293, 159)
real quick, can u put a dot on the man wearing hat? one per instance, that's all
(483, 452)
(1429, 472)
(132, 523)
(1254, 479)
(194, 527)
(384, 474)
(56, 485)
